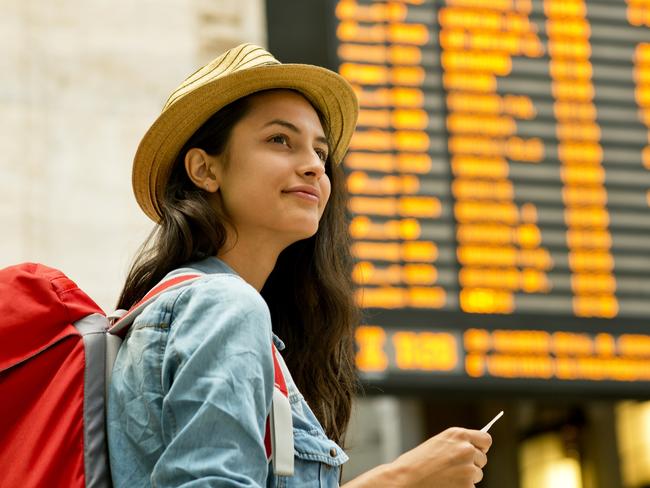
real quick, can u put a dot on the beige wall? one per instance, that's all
(80, 83)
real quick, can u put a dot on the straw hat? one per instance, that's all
(238, 72)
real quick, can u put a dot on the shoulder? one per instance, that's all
(219, 326)
(215, 302)
(223, 291)
(221, 306)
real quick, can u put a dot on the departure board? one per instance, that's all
(499, 182)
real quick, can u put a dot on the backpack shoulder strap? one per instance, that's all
(279, 425)
(124, 319)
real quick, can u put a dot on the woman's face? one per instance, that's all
(273, 184)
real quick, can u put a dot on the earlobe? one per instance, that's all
(200, 168)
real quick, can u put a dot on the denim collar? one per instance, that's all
(211, 265)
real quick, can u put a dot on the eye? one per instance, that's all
(322, 154)
(279, 139)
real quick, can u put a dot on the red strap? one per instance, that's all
(161, 287)
(281, 385)
(121, 327)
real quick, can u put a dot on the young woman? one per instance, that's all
(241, 174)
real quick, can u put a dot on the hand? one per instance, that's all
(452, 459)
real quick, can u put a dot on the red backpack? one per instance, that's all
(56, 354)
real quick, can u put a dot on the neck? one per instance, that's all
(253, 260)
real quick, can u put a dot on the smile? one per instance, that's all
(304, 195)
(306, 192)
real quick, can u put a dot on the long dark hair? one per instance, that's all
(309, 292)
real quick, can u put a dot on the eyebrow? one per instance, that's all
(295, 129)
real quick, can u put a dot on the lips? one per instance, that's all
(305, 191)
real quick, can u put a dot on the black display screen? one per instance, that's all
(500, 186)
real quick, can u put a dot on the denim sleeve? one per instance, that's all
(217, 376)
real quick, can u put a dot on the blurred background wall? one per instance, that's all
(80, 83)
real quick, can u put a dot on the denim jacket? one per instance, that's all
(191, 390)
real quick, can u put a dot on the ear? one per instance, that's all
(202, 169)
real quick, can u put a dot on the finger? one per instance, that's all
(480, 458)
(478, 475)
(480, 440)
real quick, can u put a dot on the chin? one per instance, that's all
(304, 232)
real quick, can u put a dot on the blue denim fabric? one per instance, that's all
(191, 390)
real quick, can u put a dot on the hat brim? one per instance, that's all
(160, 146)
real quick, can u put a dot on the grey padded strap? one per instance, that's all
(113, 344)
(93, 331)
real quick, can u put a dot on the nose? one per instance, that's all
(313, 167)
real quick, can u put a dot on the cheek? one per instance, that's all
(325, 191)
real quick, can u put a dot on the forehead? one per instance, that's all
(285, 104)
